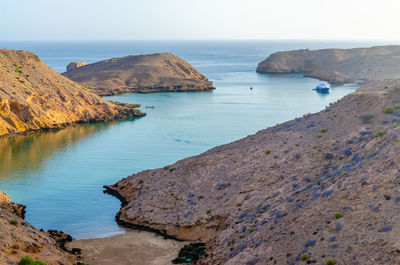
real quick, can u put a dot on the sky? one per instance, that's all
(199, 19)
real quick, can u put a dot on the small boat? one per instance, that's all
(150, 107)
(322, 88)
(251, 88)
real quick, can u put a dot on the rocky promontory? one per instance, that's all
(34, 97)
(337, 66)
(319, 189)
(139, 73)
(19, 239)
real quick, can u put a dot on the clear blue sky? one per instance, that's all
(199, 19)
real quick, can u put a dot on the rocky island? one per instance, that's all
(322, 188)
(138, 73)
(337, 66)
(34, 97)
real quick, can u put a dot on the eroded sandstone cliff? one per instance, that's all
(34, 97)
(140, 73)
(337, 66)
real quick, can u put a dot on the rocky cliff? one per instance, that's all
(140, 73)
(323, 188)
(34, 97)
(337, 66)
(19, 239)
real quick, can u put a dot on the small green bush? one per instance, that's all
(252, 229)
(268, 152)
(388, 110)
(140, 181)
(166, 167)
(338, 215)
(304, 256)
(171, 169)
(319, 135)
(296, 144)
(14, 222)
(344, 173)
(241, 235)
(29, 261)
(397, 106)
(387, 86)
(323, 130)
(314, 147)
(394, 125)
(334, 115)
(238, 204)
(379, 133)
(330, 261)
(208, 211)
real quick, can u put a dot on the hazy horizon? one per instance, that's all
(102, 20)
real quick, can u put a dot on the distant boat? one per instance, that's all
(251, 88)
(150, 107)
(322, 88)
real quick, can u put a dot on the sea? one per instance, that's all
(59, 175)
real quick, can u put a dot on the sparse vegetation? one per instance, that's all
(397, 106)
(238, 204)
(252, 229)
(14, 222)
(208, 211)
(366, 118)
(304, 257)
(171, 169)
(166, 167)
(379, 133)
(323, 130)
(319, 135)
(388, 110)
(140, 181)
(394, 125)
(29, 261)
(330, 261)
(344, 173)
(338, 215)
(241, 235)
(268, 152)
(314, 147)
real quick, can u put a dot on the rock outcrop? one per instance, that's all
(140, 73)
(19, 239)
(324, 186)
(337, 66)
(34, 97)
(75, 65)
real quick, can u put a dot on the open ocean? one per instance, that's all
(59, 175)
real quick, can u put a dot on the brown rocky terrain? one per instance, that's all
(34, 97)
(337, 66)
(139, 73)
(323, 186)
(19, 239)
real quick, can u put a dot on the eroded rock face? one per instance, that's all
(74, 65)
(140, 73)
(337, 66)
(20, 239)
(257, 207)
(34, 97)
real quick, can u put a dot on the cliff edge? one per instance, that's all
(34, 97)
(139, 73)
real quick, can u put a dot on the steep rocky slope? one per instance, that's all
(34, 97)
(323, 186)
(139, 73)
(337, 65)
(19, 239)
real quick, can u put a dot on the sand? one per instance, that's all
(133, 247)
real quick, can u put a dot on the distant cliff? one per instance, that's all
(139, 73)
(34, 97)
(337, 66)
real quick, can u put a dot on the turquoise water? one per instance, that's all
(59, 175)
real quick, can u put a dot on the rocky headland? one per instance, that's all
(320, 189)
(337, 66)
(34, 97)
(19, 239)
(148, 73)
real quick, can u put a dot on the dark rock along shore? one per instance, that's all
(323, 186)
